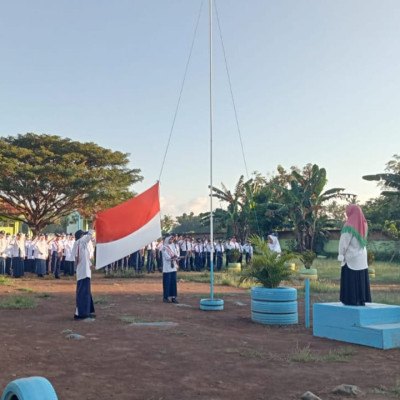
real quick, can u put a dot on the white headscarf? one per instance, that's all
(274, 246)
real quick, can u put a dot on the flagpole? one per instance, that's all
(211, 304)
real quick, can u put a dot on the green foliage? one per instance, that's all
(167, 224)
(370, 257)
(303, 203)
(233, 256)
(307, 258)
(305, 354)
(266, 268)
(189, 223)
(44, 178)
(18, 302)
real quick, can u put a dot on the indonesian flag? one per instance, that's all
(128, 227)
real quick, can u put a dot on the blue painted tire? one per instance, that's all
(275, 319)
(33, 388)
(281, 293)
(211, 305)
(311, 274)
(276, 307)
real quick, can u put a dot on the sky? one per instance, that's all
(313, 81)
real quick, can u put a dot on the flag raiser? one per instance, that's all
(128, 227)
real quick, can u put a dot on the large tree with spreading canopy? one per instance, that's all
(45, 177)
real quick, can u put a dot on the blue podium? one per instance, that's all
(374, 325)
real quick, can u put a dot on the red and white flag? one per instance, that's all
(128, 227)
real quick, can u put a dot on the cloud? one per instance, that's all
(170, 205)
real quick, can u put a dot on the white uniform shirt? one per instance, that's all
(168, 254)
(352, 253)
(69, 255)
(17, 248)
(41, 249)
(3, 247)
(81, 251)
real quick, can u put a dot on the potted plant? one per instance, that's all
(307, 258)
(270, 302)
(233, 260)
(370, 260)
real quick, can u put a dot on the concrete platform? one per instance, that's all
(374, 325)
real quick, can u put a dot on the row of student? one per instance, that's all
(41, 254)
(194, 255)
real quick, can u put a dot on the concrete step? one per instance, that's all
(374, 325)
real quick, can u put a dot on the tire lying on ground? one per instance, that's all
(33, 388)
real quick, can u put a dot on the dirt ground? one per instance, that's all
(201, 355)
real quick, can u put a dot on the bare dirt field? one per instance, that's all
(199, 355)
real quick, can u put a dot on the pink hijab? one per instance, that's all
(356, 223)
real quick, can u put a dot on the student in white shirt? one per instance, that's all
(82, 252)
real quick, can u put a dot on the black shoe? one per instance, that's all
(77, 317)
(166, 300)
(174, 300)
(92, 315)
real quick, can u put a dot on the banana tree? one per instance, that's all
(303, 202)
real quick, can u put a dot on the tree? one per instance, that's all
(303, 203)
(189, 223)
(240, 205)
(45, 177)
(390, 181)
(167, 224)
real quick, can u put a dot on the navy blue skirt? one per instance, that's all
(170, 288)
(84, 301)
(40, 267)
(354, 287)
(18, 267)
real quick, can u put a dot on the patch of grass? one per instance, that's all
(100, 300)
(23, 289)
(5, 281)
(246, 353)
(383, 390)
(305, 354)
(132, 320)
(44, 295)
(130, 274)
(18, 302)
(386, 297)
(321, 286)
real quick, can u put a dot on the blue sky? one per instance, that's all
(313, 81)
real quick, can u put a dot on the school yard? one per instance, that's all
(191, 354)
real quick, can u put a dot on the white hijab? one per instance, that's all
(274, 246)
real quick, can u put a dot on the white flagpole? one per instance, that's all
(211, 304)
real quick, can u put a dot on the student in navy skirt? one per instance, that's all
(82, 251)
(354, 280)
(170, 262)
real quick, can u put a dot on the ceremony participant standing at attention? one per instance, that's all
(3, 255)
(151, 253)
(170, 263)
(29, 264)
(41, 253)
(18, 254)
(56, 255)
(354, 280)
(69, 261)
(219, 249)
(248, 249)
(82, 252)
(9, 254)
